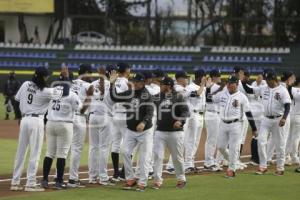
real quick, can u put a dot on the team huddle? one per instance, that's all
(136, 118)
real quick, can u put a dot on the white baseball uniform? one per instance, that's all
(33, 105)
(80, 87)
(232, 108)
(294, 138)
(271, 146)
(100, 128)
(273, 100)
(59, 128)
(212, 122)
(194, 123)
(119, 116)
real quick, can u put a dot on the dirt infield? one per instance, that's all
(10, 129)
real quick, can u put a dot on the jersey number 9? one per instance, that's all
(30, 98)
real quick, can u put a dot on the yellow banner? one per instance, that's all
(27, 6)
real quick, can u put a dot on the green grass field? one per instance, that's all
(245, 186)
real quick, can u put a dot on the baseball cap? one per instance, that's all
(147, 74)
(199, 73)
(167, 81)
(85, 68)
(233, 79)
(247, 73)
(271, 75)
(41, 72)
(122, 67)
(181, 74)
(264, 73)
(158, 73)
(215, 73)
(286, 75)
(138, 77)
(236, 69)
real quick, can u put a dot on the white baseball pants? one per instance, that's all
(118, 131)
(175, 143)
(59, 137)
(212, 122)
(192, 135)
(130, 141)
(79, 132)
(271, 126)
(99, 144)
(32, 135)
(294, 138)
(230, 135)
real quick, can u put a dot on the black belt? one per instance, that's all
(213, 111)
(273, 117)
(30, 115)
(199, 112)
(230, 121)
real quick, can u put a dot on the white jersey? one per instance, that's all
(253, 97)
(295, 106)
(273, 99)
(210, 106)
(63, 110)
(196, 103)
(182, 90)
(35, 101)
(232, 106)
(97, 104)
(80, 88)
(121, 85)
(153, 89)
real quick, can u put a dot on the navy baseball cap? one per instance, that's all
(233, 79)
(122, 67)
(167, 81)
(42, 72)
(138, 77)
(158, 73)
(199, 73)
(237, 69)
(181, 74)
(215, 73)
(85, 68)
(271, 75)
(286, 75)
(148, 74)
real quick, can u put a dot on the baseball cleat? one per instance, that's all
(190, 170)
(93, 181)
(16, 188)
(129, 184)
(150, 176)
(44, 184)
(261, 171)
(279, 173)
(230, 174)
(107, 183)
(297, 170)
(34, 189)
(59, 186)
(140, 188)
(180, 184)
(213, 168)
(75, 184)
(171, 171)
(156, 186)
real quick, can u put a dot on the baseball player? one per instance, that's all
(139, 122)
(287, 80)
(59, 129)
(79, 86)
(100, 130)
(119, 119)
(233, 104)
(34, 98)
(182, 80)
(276, 101)
(295, 123)
(212, 121)
(172, 112)
(194, 125)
